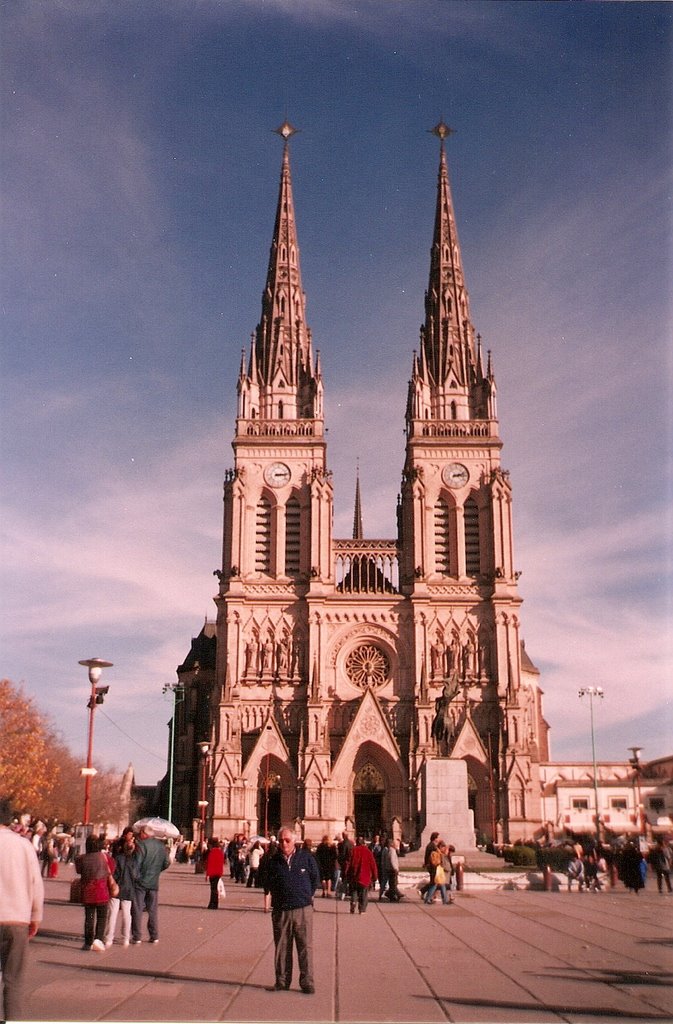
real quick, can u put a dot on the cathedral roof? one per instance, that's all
(526, 664)
(203, 649)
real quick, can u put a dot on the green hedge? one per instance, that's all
(521, 856)
(557, 857)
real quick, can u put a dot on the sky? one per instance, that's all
(139, 176)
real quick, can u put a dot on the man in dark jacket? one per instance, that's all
(152, 860)
(292, 878)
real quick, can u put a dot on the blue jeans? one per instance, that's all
(145, 899)
(431, 892)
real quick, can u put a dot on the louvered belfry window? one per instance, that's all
(292, 537)
(472, 548)
(263, 536)
(442, 546)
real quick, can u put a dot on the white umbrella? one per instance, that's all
(160, 827)
(258, 839)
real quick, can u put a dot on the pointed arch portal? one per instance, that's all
(368, 793)
(269, 792)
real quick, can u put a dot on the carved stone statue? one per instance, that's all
(437, 658)
(442, 723)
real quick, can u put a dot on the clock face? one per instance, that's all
(277, 474)
(455, 475)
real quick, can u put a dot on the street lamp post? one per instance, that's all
(634, 761)
(591, 692)
(95, 666)
(178, 692)
(204, 749)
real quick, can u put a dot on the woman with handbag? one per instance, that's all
(440, 877)
(125, 873)
(96, 869)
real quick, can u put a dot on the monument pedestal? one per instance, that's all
(444, 806)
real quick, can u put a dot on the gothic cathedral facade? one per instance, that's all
(337, 667)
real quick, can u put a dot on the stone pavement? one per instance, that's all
(516, 956)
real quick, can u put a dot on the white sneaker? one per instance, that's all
(125, 942)
(98, 946)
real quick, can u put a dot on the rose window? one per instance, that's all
(367, 665)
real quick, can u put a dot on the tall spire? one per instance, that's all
(282, 382)
(447, 378)
(357, 515)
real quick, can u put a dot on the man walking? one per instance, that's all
(344, 850)
(152, 860)
(292, 878)
(21, 900)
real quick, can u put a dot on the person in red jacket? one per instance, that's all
(214, 867)
(361, 874)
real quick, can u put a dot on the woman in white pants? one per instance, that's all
(125, 873)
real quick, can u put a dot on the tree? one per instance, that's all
(27, 770)
(40, 775)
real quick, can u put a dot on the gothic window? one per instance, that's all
(292, 537)
(280, 410)
(453, 410)
(472, 546)
(367, 665)
(263, 536)
(442, 543)
(517, 802)
(368, 780)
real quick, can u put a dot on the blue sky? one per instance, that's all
(140, 176)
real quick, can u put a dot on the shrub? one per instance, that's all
(557, 857)
(523, 856)
(520, 855)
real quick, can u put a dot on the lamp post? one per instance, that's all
(634, 761)
(204, 749)
(266, 791)
(95, 666)
(591, 692)
(178, 692)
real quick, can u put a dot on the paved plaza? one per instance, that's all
(493, 956)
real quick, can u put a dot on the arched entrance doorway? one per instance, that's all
(368, 793)
(269, 793)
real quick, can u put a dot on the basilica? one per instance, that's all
(343, 679)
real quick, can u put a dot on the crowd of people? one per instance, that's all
(592, 867)
(118, 883)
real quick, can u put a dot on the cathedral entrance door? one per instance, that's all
(368, 793)
(368, 814)
(268, 803)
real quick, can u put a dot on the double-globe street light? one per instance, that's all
(178, 694)
(591, 692)
(95, 666)
(640, 819)
(204, 749)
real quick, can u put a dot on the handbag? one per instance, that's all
(76, 890)
(221, 891)
(112, 886)
(440, 877)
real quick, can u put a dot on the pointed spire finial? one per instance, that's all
(286, 130)
(357, 515)
(442, 130)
